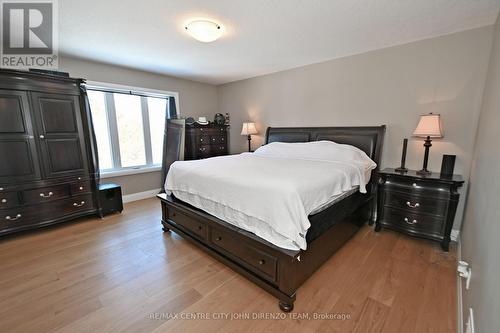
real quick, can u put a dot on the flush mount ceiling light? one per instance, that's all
(204, 31)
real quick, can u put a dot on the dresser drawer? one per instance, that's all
(45, 194)
(413, 223)
(179, 218)
(80, 187)
(261, 263)
(202, 139)
(219, 150)
(415, 204)
(8, 200)
(38, 214)
(218, 139)
(204, 151)
(418, 187)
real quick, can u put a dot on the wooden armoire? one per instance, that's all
(48, 158)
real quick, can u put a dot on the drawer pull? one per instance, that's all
(407, 220)
(218, 238)
(81, 188)
(200, 227)
(213, 139)
(79, 204)
(201, 140)
(43, 195)
(416, 205)
(4, 200)
(262, 262)
(1, 188)
(174, 215)
(414, 185)
(8, 218)
(203, 149)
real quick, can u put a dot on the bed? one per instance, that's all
(280, 270)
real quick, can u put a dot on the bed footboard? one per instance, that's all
(276, 270)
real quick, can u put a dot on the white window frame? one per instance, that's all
(112, 125)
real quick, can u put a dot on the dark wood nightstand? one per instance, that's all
(421, 206)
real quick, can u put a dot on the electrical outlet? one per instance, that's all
(465, 272)
(469, 326)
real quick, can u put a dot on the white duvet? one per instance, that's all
(272, 191)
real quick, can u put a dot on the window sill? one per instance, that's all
(128, 172)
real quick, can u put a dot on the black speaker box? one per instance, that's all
(110, 198)
(448, 165)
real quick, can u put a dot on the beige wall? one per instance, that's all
(194, 99)
(391, 86)
(480, 246)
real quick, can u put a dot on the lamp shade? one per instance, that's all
(248, 129)
(429, 125)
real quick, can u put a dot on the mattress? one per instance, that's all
(270, 197)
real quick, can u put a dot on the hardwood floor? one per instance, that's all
(123, 274)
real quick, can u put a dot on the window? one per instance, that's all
(129, 127)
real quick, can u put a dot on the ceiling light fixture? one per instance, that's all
(204, 31)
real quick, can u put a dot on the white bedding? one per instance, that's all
(266, 195)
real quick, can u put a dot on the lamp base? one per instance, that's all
(423, 172)
(249, 138)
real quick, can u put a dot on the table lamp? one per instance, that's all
(248, 129)
(428, 127)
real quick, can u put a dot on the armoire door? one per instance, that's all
(60, 133)
(18, 154)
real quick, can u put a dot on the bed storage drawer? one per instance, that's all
(199, 229)
(258, 261)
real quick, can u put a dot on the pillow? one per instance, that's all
(319, 151)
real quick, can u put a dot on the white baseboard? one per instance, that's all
(454, 235)
(140, 195)
(460, 319)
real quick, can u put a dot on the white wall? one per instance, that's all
(195, 99)
(481, 229)
(391, 86)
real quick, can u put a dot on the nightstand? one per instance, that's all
(421, 206)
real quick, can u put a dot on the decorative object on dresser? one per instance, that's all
(403, 168)
(448, 165)
(202, 121)
(421, 206)
(219, 119)
(48, 169)
(110, 199)
(249, 129)
(428, 127)
(204, 141)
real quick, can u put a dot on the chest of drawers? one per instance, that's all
(421, 206)
(203, 141)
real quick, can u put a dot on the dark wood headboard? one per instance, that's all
(369, 139)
